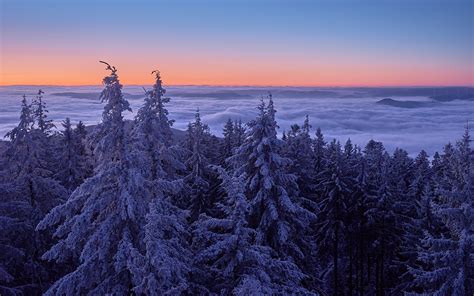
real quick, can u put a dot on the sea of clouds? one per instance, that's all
(342, 113)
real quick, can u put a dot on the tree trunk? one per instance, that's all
(361, 266)
(336, 279)
(351, 288)
(368, 271)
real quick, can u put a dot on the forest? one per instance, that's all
(133, 207)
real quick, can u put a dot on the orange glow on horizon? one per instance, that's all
(21, 69)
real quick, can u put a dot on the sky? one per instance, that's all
(261, 42)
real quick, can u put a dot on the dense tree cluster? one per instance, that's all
(129, 208)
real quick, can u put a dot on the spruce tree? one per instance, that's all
(333, 211)
(101, 224)
(234, 262)
(75, 164)
(40, 112)
(197, 163)
(239, 133)
(446, 257)
(153, 131)
(279, 221)
(28, 192)
(298, 148)
(165, 258)
(228, 141)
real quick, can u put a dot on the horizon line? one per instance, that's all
(255, 85)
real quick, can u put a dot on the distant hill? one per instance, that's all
(403, 104)
(93, 95)
(464, 96)
(442, 94)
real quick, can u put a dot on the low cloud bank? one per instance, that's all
(341, 113)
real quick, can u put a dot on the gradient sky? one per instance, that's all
(311, 43)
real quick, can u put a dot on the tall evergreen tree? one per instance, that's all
(75, 168)
(298, 148)
(422, 175)
(360, 228)
(279, 221)
(153, 131)
(102, 223)
(229, 253)
(80, 130)
(239, 133)
(319, 163)
(319, 151)
(333, 210)
(197, 179)
(447, 257)
(228, 141)
(165, 258)
(41, 114)
(28, 192)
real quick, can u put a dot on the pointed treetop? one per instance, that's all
(40, 114)
(466, 136)
(158, 87)
(157, 74)
(109, 67)
(319, 135)
(112, 95)
(306, 126)
(26, 121)
(348, 147)
(270, 107)
(197, 116)
(66, 123)
(261, 107)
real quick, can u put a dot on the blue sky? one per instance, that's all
(421, 37)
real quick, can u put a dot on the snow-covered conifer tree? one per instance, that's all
(348, 149)
(334, 209)
(448, 169)
(20, 132)
(462, 156)
(153, 131)
(319, 163)
(235, 263)
(228, 142)
(359, 227)
(367, 193)
(103, 222)
(154, 115)
(40, 114)
(28, 192)
(165, 268)
(393, 216)
(197, 163)
(166, 257)
(74, 169)
(239, 133)
(80, 130)
(422, 175)
(319, 151)
(279, 221)
(298, 148)
(447, 257)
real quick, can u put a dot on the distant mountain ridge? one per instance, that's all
(404, 104)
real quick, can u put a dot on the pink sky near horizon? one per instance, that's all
(63, 68)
